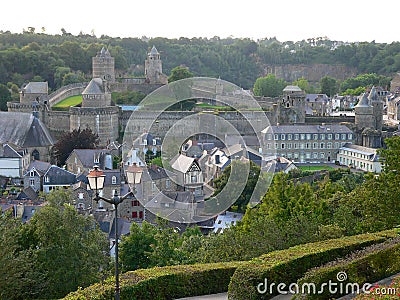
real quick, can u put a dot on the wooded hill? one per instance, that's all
(65, 58)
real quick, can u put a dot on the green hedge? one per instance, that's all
(377, 292)
(287, 266)
(164, 282)
(367, 266)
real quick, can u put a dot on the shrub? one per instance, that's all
(287, 266)
(164, 282)
(367, 266)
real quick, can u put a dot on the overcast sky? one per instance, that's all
(294, 20)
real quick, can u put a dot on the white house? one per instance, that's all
(359, 157)
(13, 161)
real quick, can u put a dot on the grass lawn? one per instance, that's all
(315, 168)
(70, 101)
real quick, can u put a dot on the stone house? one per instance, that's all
(318, 104)
(56, 177)
(189, 175)
(82, 197)
(83, 160)
(33, 177)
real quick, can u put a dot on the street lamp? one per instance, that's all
(96, 183)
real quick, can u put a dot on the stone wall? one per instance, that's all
(329, 119)
(145, 88)
(57, 122)
(65, 92)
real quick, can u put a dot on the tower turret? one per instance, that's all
(364, 114)
(153, 68)
(103, 65)
(377, 108)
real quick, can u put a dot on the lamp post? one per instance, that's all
(96, 183)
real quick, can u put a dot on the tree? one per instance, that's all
(71, 250)
(77, 139)
(178, 73)
(304, 85)
(329, 86)
(5, 96)
(269, 86)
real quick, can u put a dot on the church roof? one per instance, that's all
(154, 51)
(95, 86)
(36, 88)
(23, 130)
(363, 101)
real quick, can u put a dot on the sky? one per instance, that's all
(287, 20)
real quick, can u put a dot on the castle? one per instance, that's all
(99, 113)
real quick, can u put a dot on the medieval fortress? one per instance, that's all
(108, 120)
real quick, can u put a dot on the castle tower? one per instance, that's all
(364, 114)
(153, 68)
(103, 65)
(377, 108)
(96, 94)
(294, 100)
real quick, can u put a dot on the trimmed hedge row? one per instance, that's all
(368, 266)
(287, 266)
(164, 282)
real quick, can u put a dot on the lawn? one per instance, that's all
(70, 101)
(315, 168)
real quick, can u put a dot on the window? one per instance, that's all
(295, 145)
(193, 179)
(289, 146)
(32, 182)
(343, 136)
(140, 215)
(308, 136)
(269, 136)
(296, 136)
(337, 136)
(289, 137)
(275, 137)
(80, 196)
(153, 187)
(322, 145)
(336, 145)
(134, 215)
(315, 136)
(302, 136)
(268, 146)
(282, 146)
(296, 155)
(329, 145)
(307, 145)
(329, 136)
(301, 145)
(282, 137)
(315, 155)
(154, 142)
(168, 183)
(32, 173)
(322, 155)
(135, 203)
(315, 145)
(46, 179)
(322, 136)
(350, 136)
(113, 180)
(308, 155)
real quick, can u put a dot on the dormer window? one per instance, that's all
(113, 180)
(96, 159)
(31, 173)
(46, 179)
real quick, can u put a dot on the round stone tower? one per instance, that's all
(153, 67)
(103, 65)
(364, 114)
(377, 108)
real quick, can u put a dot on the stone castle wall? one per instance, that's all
(57, 122)
(145, 88)
(73, 89)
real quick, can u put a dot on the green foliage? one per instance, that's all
(354, 92)
(77, 139)
(156, 161)
(304, 85)
(288, 265)
(178, 73)
(52, 255)
(5, 96)
(164, 283)
(372, 264)
(363, 81)
(269, 86)
(329, 86)
(127, 97)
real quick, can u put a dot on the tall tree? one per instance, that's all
(329, 86)
(77, 139)
(5, 96)
(269, 86)
(178, 73)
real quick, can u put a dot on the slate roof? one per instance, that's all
(40, 166)
(372, 153)
(363, 101)
(182, 163)
(156, 173)
(95, 87)
(86, 157)
(307, 129)
(292, 88)
(7, 151)
(154, 51)
(103, 53)
(23, 130)
(36, 88)
(373, 95)
(58, 176)
(109, 174)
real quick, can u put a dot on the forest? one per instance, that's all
(65, 58)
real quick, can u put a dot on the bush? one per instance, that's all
(287, 266)
(367, 266)
(164, 282)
